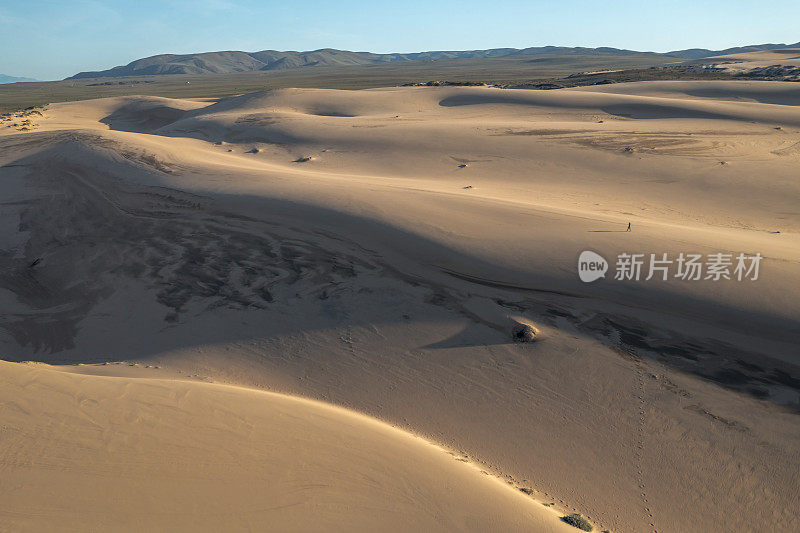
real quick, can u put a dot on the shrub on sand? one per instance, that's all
(524, 333)
(578, 521)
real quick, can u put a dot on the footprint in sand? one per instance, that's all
(640, 383)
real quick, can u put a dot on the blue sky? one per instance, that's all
(52, 39)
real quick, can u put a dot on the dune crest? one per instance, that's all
(143, 454)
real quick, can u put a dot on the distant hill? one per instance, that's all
(12, 79)
(699, 53)
(233, 61)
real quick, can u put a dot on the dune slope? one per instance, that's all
(86, 452)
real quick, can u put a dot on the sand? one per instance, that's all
(745, 62)
(332, 245)
(94, 453)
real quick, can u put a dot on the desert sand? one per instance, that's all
(743, 62)
(371, 251)
(160, 455)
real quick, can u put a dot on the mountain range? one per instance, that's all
(235, 61)
(4, 78)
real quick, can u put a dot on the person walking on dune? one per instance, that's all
(629, 227)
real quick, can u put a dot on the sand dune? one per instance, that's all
(775, 64)
(750, 60)
(200, 457)
(739, 91)
(372, 248)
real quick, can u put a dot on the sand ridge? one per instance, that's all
(202, 456)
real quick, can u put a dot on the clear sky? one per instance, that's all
(52, 39)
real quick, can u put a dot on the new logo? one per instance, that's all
(591, 266)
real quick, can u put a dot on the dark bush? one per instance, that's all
(578, 521)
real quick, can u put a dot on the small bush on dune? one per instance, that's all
(578, 521)
(524, 333)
